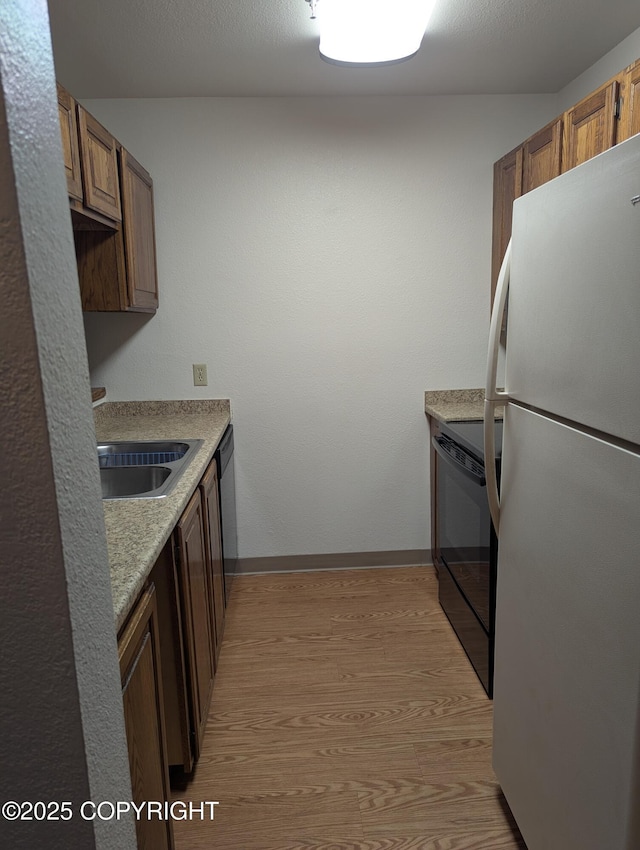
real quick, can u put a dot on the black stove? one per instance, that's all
(466, 550)
(470, 435)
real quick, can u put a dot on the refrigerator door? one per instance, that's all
(573, 338)
(567, 658)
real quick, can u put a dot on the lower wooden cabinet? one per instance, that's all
(171, 642)
(189, 580)
(175, 676)
(198, 629)
(140, 670)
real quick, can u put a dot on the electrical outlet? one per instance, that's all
(200, 375)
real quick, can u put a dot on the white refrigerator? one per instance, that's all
(567, 658)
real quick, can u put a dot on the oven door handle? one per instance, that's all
(476, 477)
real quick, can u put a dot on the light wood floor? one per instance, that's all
(346, 716)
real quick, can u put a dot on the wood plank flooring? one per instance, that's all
(345, 716)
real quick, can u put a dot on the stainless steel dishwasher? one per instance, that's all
(227, 493)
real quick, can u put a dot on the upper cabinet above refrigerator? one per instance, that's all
(604, 118)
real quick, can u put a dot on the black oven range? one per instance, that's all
(466, 547)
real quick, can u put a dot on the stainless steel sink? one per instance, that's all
(131, 482)
(143, 469)
(143, 452)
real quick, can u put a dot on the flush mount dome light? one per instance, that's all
(366, 33)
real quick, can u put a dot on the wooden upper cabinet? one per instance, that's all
(630, 118)
(117, 268)
(542, 156)
(99, 167)
(111, 200)
(598, 122)
(523, 169)
(507, 186)
(139, 233)
(590, 127)
(70, 144)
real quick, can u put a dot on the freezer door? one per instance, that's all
(573, 335)
(567, 654)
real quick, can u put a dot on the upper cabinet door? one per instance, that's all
(590, 126)
(139, 234)
(70, 146)
(542, 156)
(630, 119)
(507, 186)
(99, 167)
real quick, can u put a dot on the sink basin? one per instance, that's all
(143, 452)
(143, 469)
(131, 482)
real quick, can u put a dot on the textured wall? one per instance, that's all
(615, 60)
(329, 259)
(61, 707)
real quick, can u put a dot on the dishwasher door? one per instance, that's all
(227, 485)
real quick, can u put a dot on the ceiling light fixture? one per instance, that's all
(369, 33)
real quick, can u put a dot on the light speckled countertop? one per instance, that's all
(457, 405)
(137, 529)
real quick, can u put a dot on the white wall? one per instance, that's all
(61, 712)
(608, 66)
(329, 259)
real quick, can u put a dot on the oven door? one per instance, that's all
(466, 551)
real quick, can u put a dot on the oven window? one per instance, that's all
(464, 525)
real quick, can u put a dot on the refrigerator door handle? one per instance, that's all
(490, 463)
(492, 393)
(493, 396)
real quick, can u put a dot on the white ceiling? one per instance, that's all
(190, 48)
